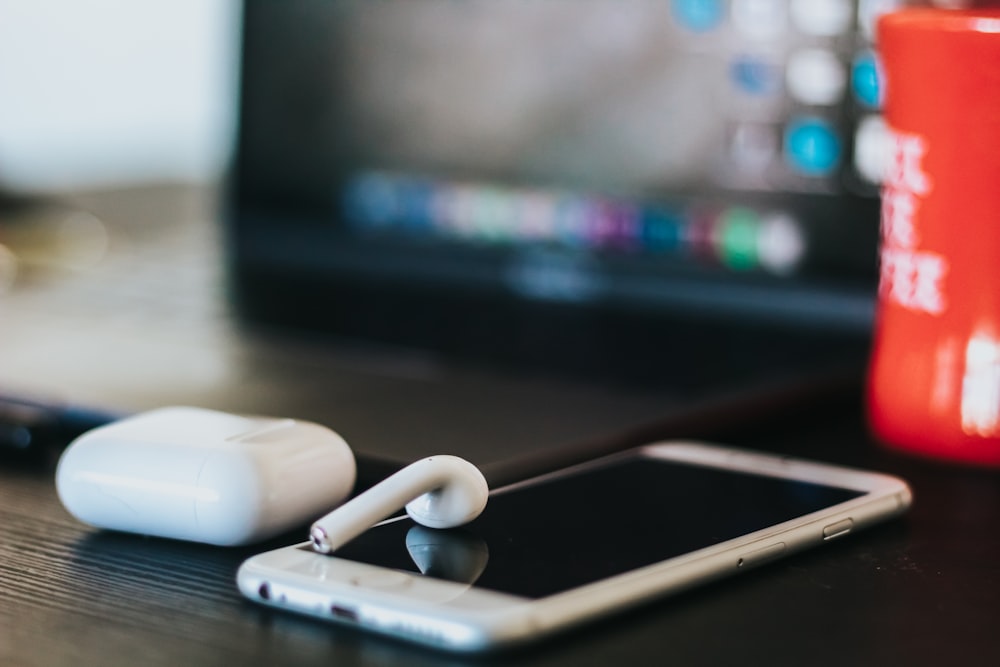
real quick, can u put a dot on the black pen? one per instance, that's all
(31, 427)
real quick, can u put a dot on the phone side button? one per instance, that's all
(761, 555)
(838, 529)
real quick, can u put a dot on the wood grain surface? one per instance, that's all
(924, 590)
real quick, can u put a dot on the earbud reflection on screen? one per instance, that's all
(454, 555)
(438, 492)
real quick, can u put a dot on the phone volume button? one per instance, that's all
(761, 555)
(838, 529)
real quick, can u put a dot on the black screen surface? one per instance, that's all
(570, 531)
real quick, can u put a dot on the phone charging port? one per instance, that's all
(344, 613)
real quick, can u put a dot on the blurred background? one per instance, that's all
(107, 92)
(117, 122)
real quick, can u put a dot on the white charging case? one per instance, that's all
(204, 476)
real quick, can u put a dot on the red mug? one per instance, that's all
(934, 378)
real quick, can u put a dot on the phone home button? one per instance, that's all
(386, 579)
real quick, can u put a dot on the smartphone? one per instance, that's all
(573, 545)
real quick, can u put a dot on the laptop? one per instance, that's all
(524, 233)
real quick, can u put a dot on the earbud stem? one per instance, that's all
(376, 504)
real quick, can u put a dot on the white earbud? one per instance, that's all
(438, 492)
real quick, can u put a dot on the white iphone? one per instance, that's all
(576, 544)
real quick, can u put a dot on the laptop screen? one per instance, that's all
(639, 159)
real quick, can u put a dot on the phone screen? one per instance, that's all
(567, 531)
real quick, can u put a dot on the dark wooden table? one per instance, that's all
(924, 590)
